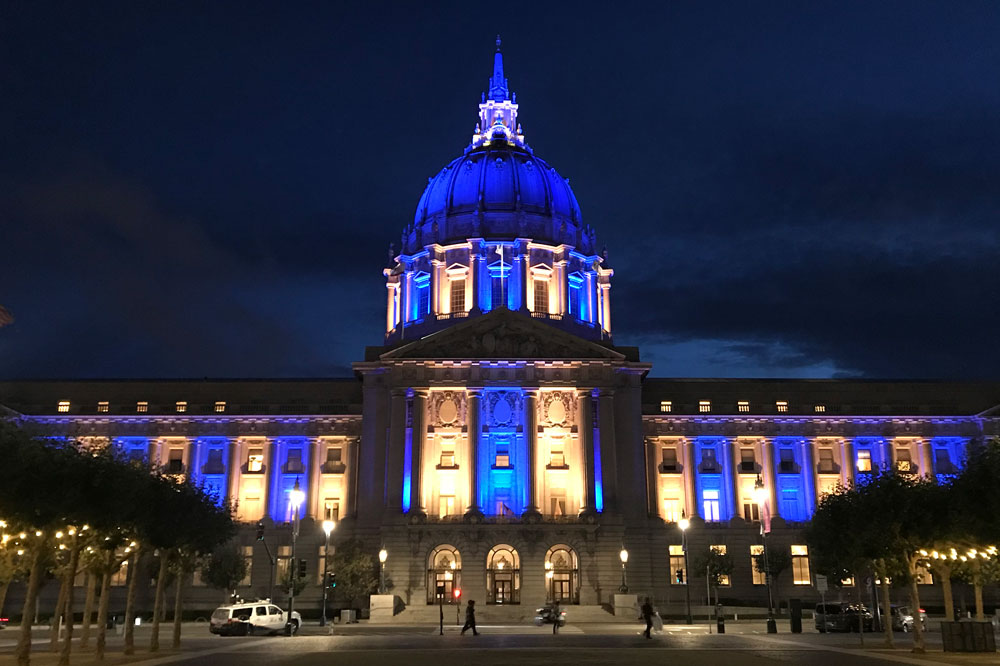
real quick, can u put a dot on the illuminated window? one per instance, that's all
(331, 508)
(255, 461)
(781, 405)
(447, 455)
(819, 409)
(677, 574)
(502, 458)
(422, 282)
(293, 463)
(800, 565)
(557, 504)
(458, 295)
(847, 582)
(142, 407)
(710, 504)
(283, 561)
(220, 406)
(557, 457)
(541, 295)
(181, 406)
(63, 406)
(723, 578)
(575, 289)
(666, 406)
(751, 511)
(756, 553)
(743, 406)
(923, 576)
(864, 460)
(497, 290)
(103, 406)
(704, 406)
(671, 509)
(446, 505)
(826, 463)
(904, 463)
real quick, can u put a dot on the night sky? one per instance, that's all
(798, 189)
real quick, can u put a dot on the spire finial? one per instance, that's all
(498, 43)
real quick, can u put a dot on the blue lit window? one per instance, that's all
(496, 291)
(423, 300)
(575, 295)
(499, 284)
(710, 505)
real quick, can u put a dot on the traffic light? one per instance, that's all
(458, 593)
(302, 568)
(680, 576)
(260, 530)
(332, 581)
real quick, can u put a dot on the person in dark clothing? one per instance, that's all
(555, 616)
(647, 615)
(470, 618)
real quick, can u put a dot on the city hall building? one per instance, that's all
(499, 440)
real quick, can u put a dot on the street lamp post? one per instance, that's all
(684, 524)
(295, 497)
(328, 526)
(383, 555)
(623, 556)
(760, 496)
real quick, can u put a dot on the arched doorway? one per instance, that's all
(562, 575)
(503, 575)
(444, 574)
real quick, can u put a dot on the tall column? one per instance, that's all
(926, 458)
(390, 318)
(847, 466)
(272, 478)
(652, 476)
(690, 480)
(437, 268)
(809, 476)
(473, 396)
(560, 277)
(315, 461)
(590, 297)
(733, 448)
(234, 469)
(609, 458)
(531, 441)
(417, 455)
(394, 451)
(586, 425)
(770, 478)
(475, 264)
(525, 276)
(606, 306)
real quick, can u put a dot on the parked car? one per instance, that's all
(902, 618)
(252, 617)
(842, 616)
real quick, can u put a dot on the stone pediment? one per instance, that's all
(502, 334)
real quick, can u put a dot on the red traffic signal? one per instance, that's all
(457, 592)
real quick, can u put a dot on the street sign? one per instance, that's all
(821, 585)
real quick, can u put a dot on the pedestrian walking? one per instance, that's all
(555, 616)
(647, 615)
(470, 618)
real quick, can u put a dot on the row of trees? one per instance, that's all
(68, 509)
(895, 527)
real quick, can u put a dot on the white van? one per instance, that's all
(251, 617)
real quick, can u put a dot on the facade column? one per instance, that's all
(472, 422)
(609, 459)
(234, 469)
(770, 478)
(312, 501)
(606, 306)
(272, 478)
(690, 479)
(560, 276)
(585, 423)
(652, 477)
(417, 452)
(389, 309)
(437, 268)
(926, 458)
(475, 265)
(733, 448)
(525, 258)
(394, 451)
(590, 297)
(809, 463)
(847, 466)
(531, 441)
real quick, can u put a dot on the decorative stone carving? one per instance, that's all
(446, 408)
(502, 408)
(558, 408)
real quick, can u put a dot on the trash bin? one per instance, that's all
(720, 619)
(795, 615)
(968, 636)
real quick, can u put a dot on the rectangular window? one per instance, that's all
(457, 296)
(255, 461)
(826, 463)
(786, 461)
(220, 407)
(181, 406)
(120, 577)
(710, 504)
(502, 458)
(446, 505)
(751, 511)
(743, 406)
(669, 456)
(103, 406)
(175, 461)
(556, 456)
(283, 561)
(574, 300)
(214, 464)
(248, 558)
(708, 461)
(904, 463)
(724, 579)
(447, 455)
(541, 295)
(781, 405)
(748, 460)
(557, 504)
(141, 407)
(704, 406)
(423, 298)
(671, 509)
(757, 577)
(677, 574)
(293, 463)
(666, 406)
(864, 460)
(331, 508)
(334, 460)
(497, 291)
(819, 409)
(800, 565)
(63, 406)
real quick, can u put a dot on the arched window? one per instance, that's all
(503, 575)
(562, 575)
(444, 574)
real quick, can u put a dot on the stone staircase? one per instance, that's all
(511, 614)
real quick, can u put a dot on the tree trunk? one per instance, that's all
(949, 600)
(133, 586)
(977, 588)
(74, 562)
(178, 607)
(918, 629)
(88, 609)
(57, 616)
(23, 651)
(102, 611)
(3, 595)
(887, 610)
(161, 584)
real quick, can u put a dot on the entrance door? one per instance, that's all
(448, 583)
(502, 590)
(561, 589)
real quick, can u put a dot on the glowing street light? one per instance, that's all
(383, 555)
(295, 499)
(328, 527)
(684, 524)
(623, 556)
(760, 496)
